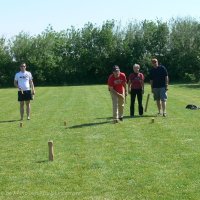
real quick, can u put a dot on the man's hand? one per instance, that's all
(20, 89)
(121, 95)
(142, 91)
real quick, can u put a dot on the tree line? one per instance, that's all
(86, 55)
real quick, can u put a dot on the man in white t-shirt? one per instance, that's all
(24, 82)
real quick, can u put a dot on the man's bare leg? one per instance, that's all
(164, 108)
(22, 109)
(159, 106)
(28, 109)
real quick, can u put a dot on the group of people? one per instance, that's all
(117, 85)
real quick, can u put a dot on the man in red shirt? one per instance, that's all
(117, 87)
(136, 88)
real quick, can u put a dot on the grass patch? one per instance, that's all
(95, 159)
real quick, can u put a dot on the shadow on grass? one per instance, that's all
(129, 117)
(42, 161)
(109, 121)
(138, 116)
(106, 118)
(193, 86)
(88, 124)
(9, 121)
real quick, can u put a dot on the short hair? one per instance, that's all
(136, 65)
(154, 60)
(116, 68)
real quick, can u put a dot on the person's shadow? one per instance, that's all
(108, 121)
(88, 124)
(10, 121)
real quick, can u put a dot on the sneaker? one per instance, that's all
(121, 119)
(164, 114)
(159, 114)
(115, 121)
(28, 118)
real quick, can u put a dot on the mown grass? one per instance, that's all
(95, 159)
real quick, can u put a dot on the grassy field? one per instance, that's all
(94, 158)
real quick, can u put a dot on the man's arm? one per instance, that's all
(142, 84)
(166, 82)
(125, 88)
(151, 83)
(16, 83)
(129, 86)
(32, 86)
(17, 86)
(115, 92)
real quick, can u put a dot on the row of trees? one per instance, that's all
(86, 55)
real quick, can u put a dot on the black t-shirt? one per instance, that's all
(157, 75)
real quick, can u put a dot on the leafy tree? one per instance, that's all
(86, 55)
(6, 66)
(185, 49)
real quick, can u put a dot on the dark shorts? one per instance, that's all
(25, 96)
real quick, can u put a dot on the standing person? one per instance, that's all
(117, 87)
(24, 82)
(159, 81)
(136, 88)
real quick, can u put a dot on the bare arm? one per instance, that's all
(125, 88)
(166, 82)
(129, 86)
(151, 83)
(142, 84)
(17, 86)
(115, 92)
(15, 83)
(32, 86)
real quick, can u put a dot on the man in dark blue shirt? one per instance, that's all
(159, 81)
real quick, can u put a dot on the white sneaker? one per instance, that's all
(115, 121)
(28, 118)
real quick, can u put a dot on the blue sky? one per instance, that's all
(33, 16)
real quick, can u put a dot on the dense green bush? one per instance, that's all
(86, 55)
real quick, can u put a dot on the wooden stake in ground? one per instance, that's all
(51, 153)
(65, 123)
(21, 124)
(152, 120)
(148, 96)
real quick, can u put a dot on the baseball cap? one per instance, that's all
(116, 68)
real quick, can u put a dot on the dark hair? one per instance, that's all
(116, 68)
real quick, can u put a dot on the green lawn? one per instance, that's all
(94, 158)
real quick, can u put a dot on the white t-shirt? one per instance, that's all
(23, 79)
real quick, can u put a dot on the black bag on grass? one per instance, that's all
(192, 107)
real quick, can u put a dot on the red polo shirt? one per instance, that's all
(117, 83)
(136, 80)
